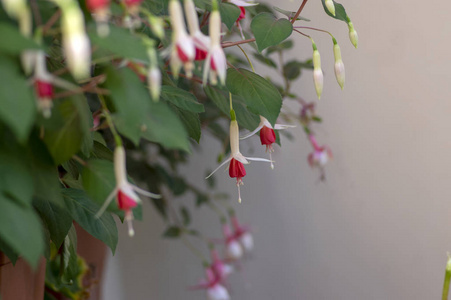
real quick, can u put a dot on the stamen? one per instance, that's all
(270, 158)
(239, 182)
(129, 219)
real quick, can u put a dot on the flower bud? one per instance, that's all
(154, 82)
(247, 242)
(234, 250)
(353, 34)
(339, 66)
(318, 77)
(217, 292)
(157, 26)
(100, 10)
(330, 6)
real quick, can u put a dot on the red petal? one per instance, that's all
(183, 57)
(236, 169)
(44, 89)
(132, 2)
(94, 5)
(200, 54)
(125, 202)
(267, 136)
(242, 14)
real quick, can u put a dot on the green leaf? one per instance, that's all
(17, 104)
(266, 60)
(64, 141)
(56, 219)
(258, 93)
(131, 100)
(280, 47)
(201, 199)
(16, 180)
(70, 258)
(289, 14)
(340, 12)
(292, 69)
(181, 98)
(119, 42)
(21, 229)
(186, 218)
(229, 14)
(9, 252)
(13, 41)
(100, 151)
(164, 127)
(191, 121)
(172, 232)
(83, 211)
(269, 31)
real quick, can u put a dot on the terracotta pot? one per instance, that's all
(20, 282)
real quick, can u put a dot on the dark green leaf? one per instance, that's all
(9, 252)
(266, 60)
(119, 42)
(280, 47)
(56, 219)
(102, 152)
(65, 140)
(201, 199)
(83, 211)
(21, 229)
(258, 93)
(186, 218)
(15, 177)
(172, 232)
(13, 41)
(292, 69)
(191, 122)
(17, 104)
(340, 12)
(229, 14)
(70, 258)
(269, 31)
(181, 98)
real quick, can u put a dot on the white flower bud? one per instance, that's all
(247, 242)
(154, 82)
(330, 6)
(353, 34)
(318, 77)
(218, 292)
(339, 66)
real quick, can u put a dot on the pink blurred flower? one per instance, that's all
(320, 155)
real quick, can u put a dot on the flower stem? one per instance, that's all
(299, 11)
(447, 279)
(247, 57)
(117, 137)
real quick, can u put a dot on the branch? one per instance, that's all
(299, 11)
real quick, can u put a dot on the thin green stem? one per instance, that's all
(247, 57)
(109, 119)
(194, 250)
(447, 279)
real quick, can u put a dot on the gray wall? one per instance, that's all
(379, 228)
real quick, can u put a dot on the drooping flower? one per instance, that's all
(216, 62)
(125, 192)
(339, 67)
(320, 155)
(77, 48)
(318, 77)
(182, 50)
(100, 10)
(330, 6)
(242, 4)
(236, 159)
(353, 34)
(43, 85)
(215, 291)
(233, 249)
(267, 135)
(220, 269)
(243, 235)
(201, 41)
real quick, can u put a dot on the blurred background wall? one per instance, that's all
(379, 227)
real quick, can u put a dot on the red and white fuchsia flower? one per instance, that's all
(233, 249)
(320, 155)
(220, 269)
(267, 135)
(100, 10)
(215, 291)
(201, 41)
(216, 63)
(43, 85)
(182, 50)
(125, 192)
(243, 235)
(236, 159)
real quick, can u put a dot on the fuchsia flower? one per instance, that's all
(183, 50)
(233, 250)
(216, 62)
(133, 5)
(220, 269)
(267, 135)
(320, 155)
(125, 192)
(236, 159)
(100, 10)
(43, 85)
(243, 235)
(215, 291)
(201, 41)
